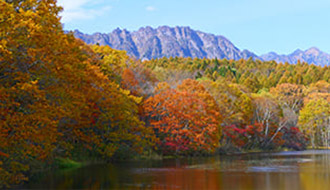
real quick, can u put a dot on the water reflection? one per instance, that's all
(316, 175)
(287, 170)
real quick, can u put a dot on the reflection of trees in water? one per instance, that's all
(316, 175)
(310, 171)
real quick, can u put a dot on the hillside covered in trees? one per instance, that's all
(61, 98)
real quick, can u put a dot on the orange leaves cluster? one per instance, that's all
(185, 119)
(27, 129)
(58, 96)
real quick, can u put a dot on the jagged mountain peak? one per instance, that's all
(165, 41)
(148, 43)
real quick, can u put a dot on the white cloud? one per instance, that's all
(79, 10)
(150, 8)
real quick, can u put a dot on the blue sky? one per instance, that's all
(260, 26)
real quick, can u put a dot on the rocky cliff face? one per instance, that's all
(164, 41)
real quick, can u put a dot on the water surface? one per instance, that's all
(303, 170)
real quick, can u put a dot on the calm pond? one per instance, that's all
(309, 170)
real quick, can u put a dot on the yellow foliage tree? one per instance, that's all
(314, 120)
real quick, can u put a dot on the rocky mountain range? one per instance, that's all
(165, 41)
(312, 56)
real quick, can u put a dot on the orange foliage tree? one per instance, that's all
(185, 119)
(56, 94)
(27, 118)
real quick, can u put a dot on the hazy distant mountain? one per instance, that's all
(311, 55)
(164, 41)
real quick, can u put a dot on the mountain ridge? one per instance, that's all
(182, 41)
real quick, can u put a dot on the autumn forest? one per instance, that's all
(63, 99)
